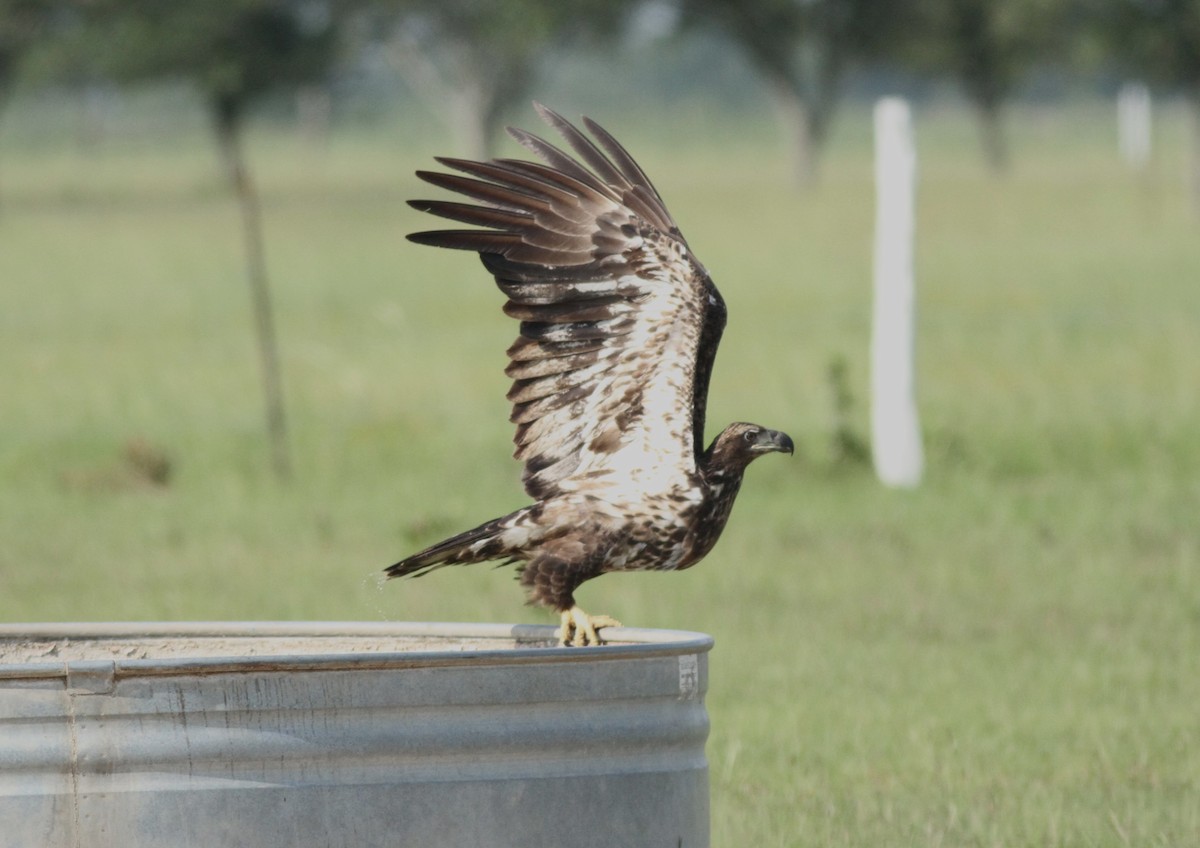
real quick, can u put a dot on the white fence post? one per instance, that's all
(895, 429)
(1134, 124)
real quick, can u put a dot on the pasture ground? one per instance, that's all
(1008, 656)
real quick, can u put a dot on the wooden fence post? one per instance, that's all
(1133, 124)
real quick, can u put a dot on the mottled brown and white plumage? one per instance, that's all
(619, 328)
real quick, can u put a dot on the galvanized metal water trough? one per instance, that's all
(332, 734)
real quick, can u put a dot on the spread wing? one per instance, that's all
(619, 322)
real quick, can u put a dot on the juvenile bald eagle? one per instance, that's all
(619, 327)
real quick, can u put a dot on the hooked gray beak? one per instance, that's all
(773, 440)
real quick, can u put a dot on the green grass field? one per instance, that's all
(1008, 656)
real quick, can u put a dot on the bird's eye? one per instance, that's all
(750, 435)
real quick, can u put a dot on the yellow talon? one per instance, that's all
(580, 629)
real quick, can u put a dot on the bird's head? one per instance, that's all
(740, 444)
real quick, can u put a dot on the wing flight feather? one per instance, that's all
(619, 322)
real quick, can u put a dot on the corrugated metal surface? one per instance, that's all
(283, 734)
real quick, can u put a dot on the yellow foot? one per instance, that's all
(579, 629)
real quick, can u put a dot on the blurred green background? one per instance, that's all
(1003, 656)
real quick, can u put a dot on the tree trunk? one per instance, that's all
(314, 111)
(467, 107)
(476, 109)
(452, 86)
(991, 130)
(227, 114)
(1194, 108)
(93, 116)
(797, 120)
(4, 92)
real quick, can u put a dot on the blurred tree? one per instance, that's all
(1158, 41)
(474, 61)
(21, 22)
(987, 46)
(64, 57)
(233, 52)
(802, 49)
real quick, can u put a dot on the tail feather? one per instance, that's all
(482, 544)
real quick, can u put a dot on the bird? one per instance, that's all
(619, 327)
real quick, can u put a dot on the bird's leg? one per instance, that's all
(579, 629)
(564, 628)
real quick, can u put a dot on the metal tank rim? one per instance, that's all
(534, 644)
